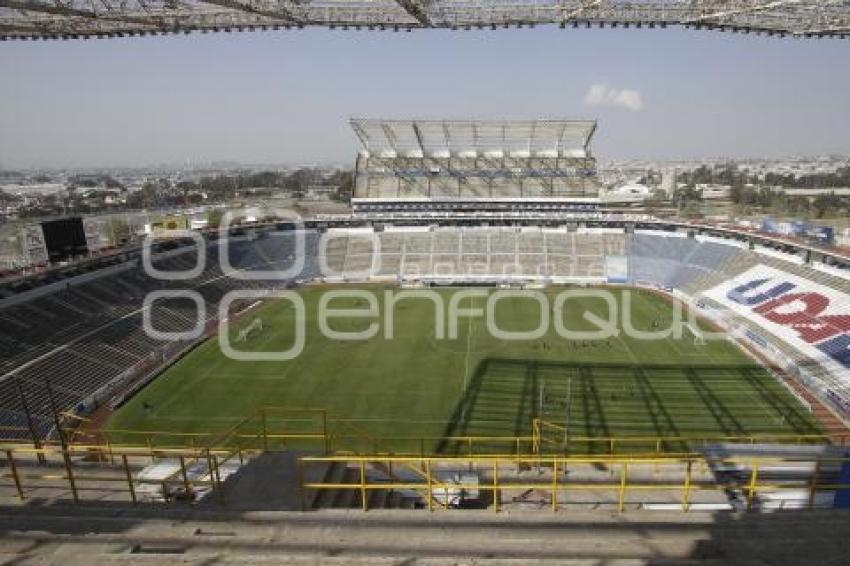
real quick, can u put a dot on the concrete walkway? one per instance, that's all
(119, 533)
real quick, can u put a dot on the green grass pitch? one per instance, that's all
(415, 385)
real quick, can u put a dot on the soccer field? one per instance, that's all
(418, 384)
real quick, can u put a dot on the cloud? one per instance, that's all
(603, 95)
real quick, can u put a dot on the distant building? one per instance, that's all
(715, 192)
(320, 192)
(668, 181)
(33, 189)
(628, 193)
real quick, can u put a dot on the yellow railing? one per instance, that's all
(271, 428)
(503, 473)
(120, 471)
(693, 475)
(543, 431)
(257, 431)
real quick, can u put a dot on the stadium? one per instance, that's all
(479, 333)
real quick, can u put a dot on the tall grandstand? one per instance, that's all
(440, 165)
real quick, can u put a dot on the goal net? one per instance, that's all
(697, 334)
(251, 330)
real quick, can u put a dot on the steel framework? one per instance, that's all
(478, 159)
(73, 19)
(474, 138)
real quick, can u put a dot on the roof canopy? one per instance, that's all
(71, 19)
(473, 138)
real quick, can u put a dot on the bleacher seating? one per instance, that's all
(671, 261)
(691, 267)
(85, 335)
(456, 253)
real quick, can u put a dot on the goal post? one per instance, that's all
(697, 334)
(553, 413)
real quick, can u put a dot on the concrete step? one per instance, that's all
(267, 482)
(378, 498)
(348, 498)
(325, 497)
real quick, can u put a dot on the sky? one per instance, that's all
(286, 96)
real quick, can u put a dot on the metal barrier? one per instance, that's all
(123, 466)
(547, 472)
(550, 450)
(565, 442)
(257, 431)
(275, 428)
(72, 468)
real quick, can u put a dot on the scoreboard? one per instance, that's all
(64, 238)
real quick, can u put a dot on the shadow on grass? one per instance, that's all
(503, 396)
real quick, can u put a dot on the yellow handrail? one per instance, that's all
(621, 483)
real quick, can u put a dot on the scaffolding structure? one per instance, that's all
(73, 19)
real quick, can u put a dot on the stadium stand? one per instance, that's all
(673, 261)
(456, 253)
(691, 267)
(86, 343)
(83, 341)
(424, 166)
